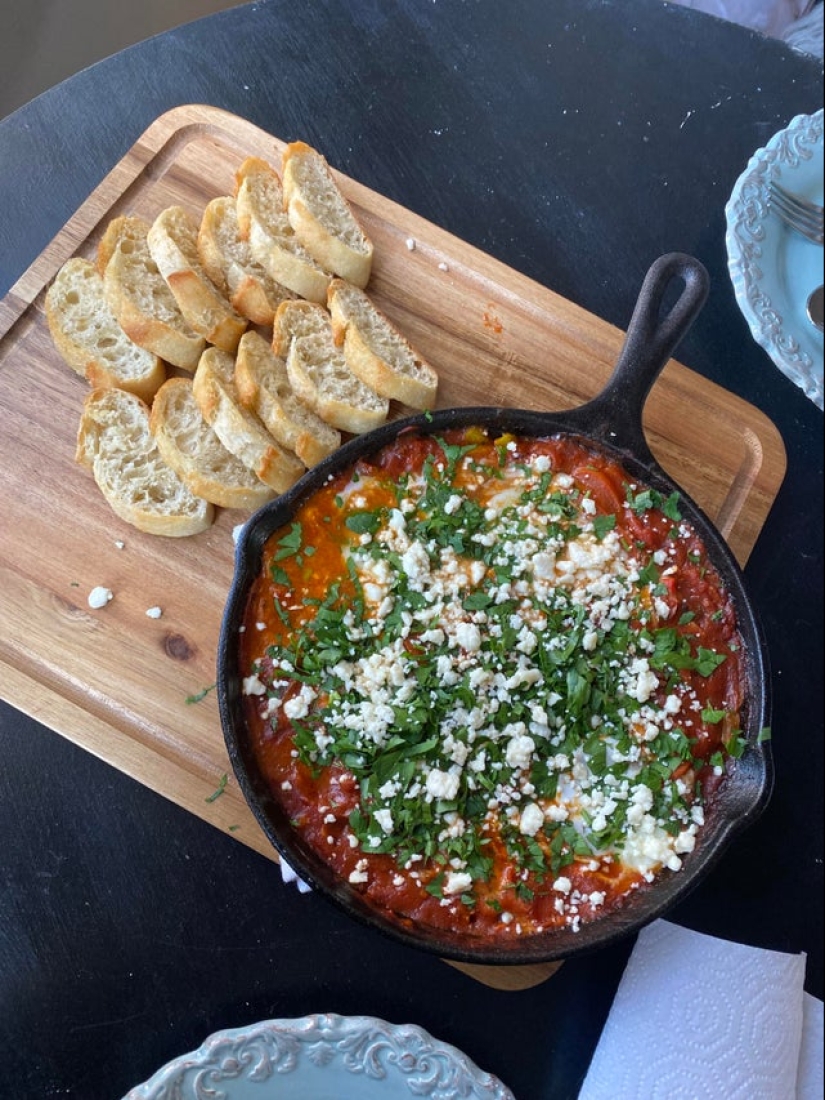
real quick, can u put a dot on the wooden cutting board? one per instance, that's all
(135, 690)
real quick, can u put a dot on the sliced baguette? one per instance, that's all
(318, 371)
(376, 351)
(263, 385)
(321, 217)
(173, 242)
(89, 338)
(229, 263)
(193, 450)
(115, 442)
(297, 319)
(139, 297)
(239, 429)
(259, 202)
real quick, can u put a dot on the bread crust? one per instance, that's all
(240, 430)
(115, 442)
(263, 386)
(319, 373)
(139, 297)
(89, 338)
(273, 243)
(229, 263)
(376, 351)
(322, 217)
(190, 446)
(172, 240)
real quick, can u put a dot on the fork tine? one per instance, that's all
(798, 202)
(804, 217)
(799, 210)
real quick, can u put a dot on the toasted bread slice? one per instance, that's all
(321, 217)
(173, 242)
(376, 351)
(89, 338)
(259, 202)
(115, 442)
(193, 450)
(318, 371)
(139, 297)
(239, 429)
(229, 263)
(297, 319)
(263, 385)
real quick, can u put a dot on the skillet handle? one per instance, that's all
(615, 415)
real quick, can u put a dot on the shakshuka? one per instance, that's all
(494, 682)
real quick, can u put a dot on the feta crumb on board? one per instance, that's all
(99, 597)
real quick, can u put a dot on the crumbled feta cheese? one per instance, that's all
(99, 597)
(532, 819)
(253, 685)
(520, 750)
(298, 705)
(456, 882)
(359, 875)
(468, 636)
(441, 784)
(384, 819)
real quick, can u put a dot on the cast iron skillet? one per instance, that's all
(612, 422)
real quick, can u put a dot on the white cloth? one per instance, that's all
(288, 875)
(699, 1018)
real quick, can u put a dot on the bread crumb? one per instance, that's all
(410, 243)
(154, 612)
(120, 544)
(443, 267)
(99, 597)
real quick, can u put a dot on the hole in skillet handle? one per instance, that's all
(615, 415)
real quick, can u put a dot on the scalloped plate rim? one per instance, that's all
(349, 1050)
(759, 250)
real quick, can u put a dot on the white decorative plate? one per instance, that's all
(773, 268)
(322, 1057)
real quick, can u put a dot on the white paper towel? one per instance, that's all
(810, 1082)
(288, 875)
(699, 1018)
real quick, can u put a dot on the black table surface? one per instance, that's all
(575, 141)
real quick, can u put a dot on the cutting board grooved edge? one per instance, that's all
(148, 158)
(131, 727)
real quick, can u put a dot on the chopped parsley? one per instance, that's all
(200, 695)
(221, 787)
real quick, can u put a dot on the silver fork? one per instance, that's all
(800, 214)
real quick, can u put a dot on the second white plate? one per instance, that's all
(774, 269)
(321, 1057)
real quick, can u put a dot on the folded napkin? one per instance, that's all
(699, 1018)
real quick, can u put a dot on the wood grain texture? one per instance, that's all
(116, 681)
